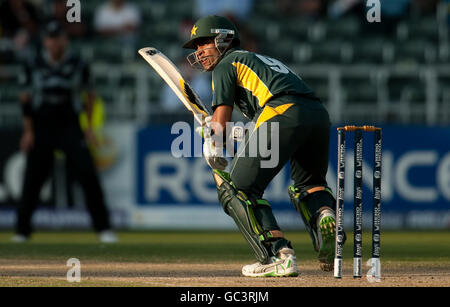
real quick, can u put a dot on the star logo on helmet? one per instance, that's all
(194, 30)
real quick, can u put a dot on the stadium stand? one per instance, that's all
(402, 77)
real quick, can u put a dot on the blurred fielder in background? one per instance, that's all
(52, 85)
(267, 92)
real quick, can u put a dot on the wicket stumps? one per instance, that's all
(357, 206)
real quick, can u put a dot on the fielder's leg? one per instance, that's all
(85, 172)
(38, 166)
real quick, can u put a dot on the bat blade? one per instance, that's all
(172, 76)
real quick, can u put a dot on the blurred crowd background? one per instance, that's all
(394, 71)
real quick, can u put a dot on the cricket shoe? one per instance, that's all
(19, 238)
(108, 237)
(326, 235)
(285, 265)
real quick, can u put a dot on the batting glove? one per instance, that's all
(213, 154)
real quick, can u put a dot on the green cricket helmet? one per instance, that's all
(212, 27)
(219, 29)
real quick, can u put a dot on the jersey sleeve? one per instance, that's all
(223, 85)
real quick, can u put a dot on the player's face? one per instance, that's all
(207, 54)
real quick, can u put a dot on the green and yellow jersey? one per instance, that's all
(250, 80)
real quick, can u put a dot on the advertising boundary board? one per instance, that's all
(149, 188)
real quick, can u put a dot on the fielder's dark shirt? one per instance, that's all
(55, 88)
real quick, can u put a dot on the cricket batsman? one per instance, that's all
(267, 92)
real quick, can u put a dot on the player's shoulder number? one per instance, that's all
(273, 64)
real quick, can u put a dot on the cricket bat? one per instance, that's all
(172, 76)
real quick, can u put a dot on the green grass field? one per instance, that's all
(402, 253)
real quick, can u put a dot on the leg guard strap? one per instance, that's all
(309, 205)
